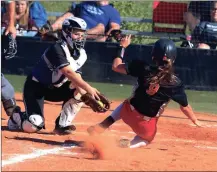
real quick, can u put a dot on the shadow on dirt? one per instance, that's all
(83, 148)
(66, 143)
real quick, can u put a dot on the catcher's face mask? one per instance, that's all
(76, 38)
(79, 37)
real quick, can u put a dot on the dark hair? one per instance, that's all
(162, 73)
(212, 5)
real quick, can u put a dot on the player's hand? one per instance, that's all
(94, 93)
(125, 41)
(12, 30)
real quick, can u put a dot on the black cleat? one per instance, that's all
(64, 130)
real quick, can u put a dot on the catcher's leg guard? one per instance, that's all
(12, 122)
(68, 113)
(29, 124)
(9, 106)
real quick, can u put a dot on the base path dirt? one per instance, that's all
(178, 145)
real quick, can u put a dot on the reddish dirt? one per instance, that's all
(178, 145)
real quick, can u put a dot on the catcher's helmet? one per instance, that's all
(164, 48)
(68, 26)
(9, 47)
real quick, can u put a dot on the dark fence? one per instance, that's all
(197, 68)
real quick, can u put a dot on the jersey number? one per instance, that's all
(152, 89)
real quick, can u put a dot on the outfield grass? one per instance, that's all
(201, 101)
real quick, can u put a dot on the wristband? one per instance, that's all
(120, 52)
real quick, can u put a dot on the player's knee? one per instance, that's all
(148, 136)
(33, 123)
(9, 106)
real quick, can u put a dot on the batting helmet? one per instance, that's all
(164, 49)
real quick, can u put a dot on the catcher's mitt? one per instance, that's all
(99, 106)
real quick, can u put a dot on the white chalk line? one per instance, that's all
(206, 125)
(206, 147)
(36, 154)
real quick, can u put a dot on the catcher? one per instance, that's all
(156, 86)
(57, 78)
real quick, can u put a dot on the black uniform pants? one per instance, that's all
(35, 93)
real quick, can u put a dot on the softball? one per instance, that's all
(100, 103)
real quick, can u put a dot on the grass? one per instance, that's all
(201, 101)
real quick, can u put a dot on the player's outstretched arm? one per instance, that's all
(58, 23)
(118, 65)
(11, 13)
(188, 111)
(72, 76)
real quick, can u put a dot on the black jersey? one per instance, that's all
(57, 56)
(142, 99)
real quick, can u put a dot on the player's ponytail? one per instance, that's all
(164, 73)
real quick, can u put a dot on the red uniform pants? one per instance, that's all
(143, 126)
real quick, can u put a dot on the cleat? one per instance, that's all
(64, 130)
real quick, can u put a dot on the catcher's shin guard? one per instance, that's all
(9, 106)
(20, 120)
(14, 122)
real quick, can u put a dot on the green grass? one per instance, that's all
(201, 101)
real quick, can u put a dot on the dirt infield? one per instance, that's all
(178, 145)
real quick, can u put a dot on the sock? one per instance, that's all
(107, 122)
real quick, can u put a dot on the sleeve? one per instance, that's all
(136, 68)
(115, 16)
(179, 96)
(56, 57)
(75, 8)
(38, 14)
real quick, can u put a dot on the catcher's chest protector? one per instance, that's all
(75, 64)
